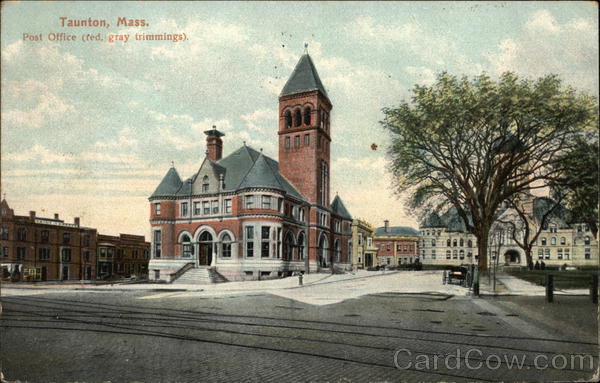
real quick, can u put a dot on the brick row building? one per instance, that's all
(396, 245)
(50, 249)
(248, 216)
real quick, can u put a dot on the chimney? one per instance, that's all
(56, 216)
(32, 215)
(76, 221)
(386, 224)
(214, 144)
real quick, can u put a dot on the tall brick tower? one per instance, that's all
(304, 135)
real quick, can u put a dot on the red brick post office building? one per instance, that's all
(247, 216)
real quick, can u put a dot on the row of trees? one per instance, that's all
(475, 144)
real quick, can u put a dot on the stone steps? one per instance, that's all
(195, 276)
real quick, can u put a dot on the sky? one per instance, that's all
(89, 128)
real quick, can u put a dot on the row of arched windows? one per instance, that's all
(303, 116)
(298, 117)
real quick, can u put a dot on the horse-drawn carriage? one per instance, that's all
(458, 275)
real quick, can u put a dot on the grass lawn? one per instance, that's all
(572, 279)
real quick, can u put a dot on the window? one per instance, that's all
(454, 254)
(184, 209)
(433, 242)
(226, 246)
(462, 242)
(398, 247)
(297, 117)
(287, 142)
(157, 243)
(86, 240)
(157, 208)
(266, 202)
(21, 252)
(249, 202)
(567, 253)
(559, 254)
(5, 233)
(197, 208)
(307, 115)
(249, 241)
(227, 206)
(187, 249)
(337, 225)
(111, 252)
(588, 253)
(553, 228)
(44, 254)
(296, 142)
(307, 140)
(454, 242)
(206, 208)
(215, 206)
(543, 241)
(369, 242)
(433, 254)
(448, 242)
(541, 254)
(21, 234)
(469, 243)
(45, 235)
(586, 241)
(448, 254)
(324, 183)
(547, 253)
(265, 235)
(563, 241)
(553, 241)
(66, 238)
(66, 255)
(461, 254)
(205, 184)
(288, 118)
(302, 214)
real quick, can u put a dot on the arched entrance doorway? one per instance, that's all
(511, 257)
(323, 251)
(205, 249)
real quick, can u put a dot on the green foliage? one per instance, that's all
(579, 177)
(474, 143)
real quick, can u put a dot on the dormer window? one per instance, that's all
(205, 184)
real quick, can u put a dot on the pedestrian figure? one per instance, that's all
(537, 265)
(543, 265)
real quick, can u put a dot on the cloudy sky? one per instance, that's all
(90, 128)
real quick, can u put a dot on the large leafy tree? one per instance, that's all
(474, 143)
(579, 177)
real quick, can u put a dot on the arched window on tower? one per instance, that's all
(205, 184)
(288, 118)
(297, 117)
(307, 112)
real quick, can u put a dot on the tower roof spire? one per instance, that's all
(304, 78)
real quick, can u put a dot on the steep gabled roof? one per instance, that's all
(560, 215)
(338, 208)
(239, 163)
(304, 78)
(170, 184)
(261, 175)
